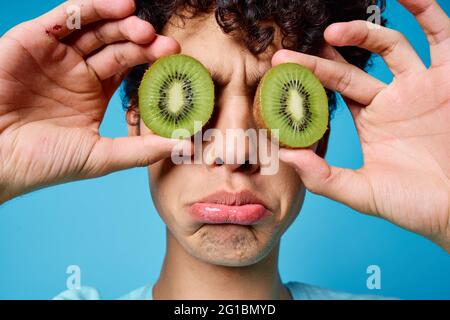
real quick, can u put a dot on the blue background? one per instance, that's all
(109, 226)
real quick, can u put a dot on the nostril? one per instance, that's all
(246, 166)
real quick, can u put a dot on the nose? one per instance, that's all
(236, 148)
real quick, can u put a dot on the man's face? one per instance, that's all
(187, 196)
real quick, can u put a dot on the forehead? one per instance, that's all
(223, 54)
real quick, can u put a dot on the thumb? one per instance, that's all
(347, 186)
(114, 154)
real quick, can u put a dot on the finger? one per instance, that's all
(343, 185)
(132, 29)
(330, 53)
(119, 58)
(62, 20)
(110, 155)
(345, 78)
(431, 17)
(391, 45)
(436, 25)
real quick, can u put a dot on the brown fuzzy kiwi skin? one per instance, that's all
(259, 121)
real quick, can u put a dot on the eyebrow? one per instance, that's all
(217, 77)
(253, 78)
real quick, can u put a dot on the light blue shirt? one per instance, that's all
(298, 290)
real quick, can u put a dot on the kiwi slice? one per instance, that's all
(175, 92)
(290, 98)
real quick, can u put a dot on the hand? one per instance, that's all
(403, 127)
(55, 86)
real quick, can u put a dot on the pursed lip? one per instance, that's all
(242, 208)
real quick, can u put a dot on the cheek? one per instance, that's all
(291, 192)
(170, 186)
(162, 187)
(157, 173)
(292, 179)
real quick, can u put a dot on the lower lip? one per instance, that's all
(213, 213)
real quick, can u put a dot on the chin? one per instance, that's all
(230, 245)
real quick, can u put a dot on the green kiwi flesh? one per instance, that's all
(290, 98)
(175, 92)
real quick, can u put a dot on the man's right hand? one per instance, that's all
(55, 85)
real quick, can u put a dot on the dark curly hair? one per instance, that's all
(302, 23)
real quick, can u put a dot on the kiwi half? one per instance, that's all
(175, 92)
(290, 98)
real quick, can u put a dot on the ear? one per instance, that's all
(133, 118)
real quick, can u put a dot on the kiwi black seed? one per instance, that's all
(291, 99)
(175, 92)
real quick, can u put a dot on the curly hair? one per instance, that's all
(301, 22)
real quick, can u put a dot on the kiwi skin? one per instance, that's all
(259, 120)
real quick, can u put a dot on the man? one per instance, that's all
(55, 85)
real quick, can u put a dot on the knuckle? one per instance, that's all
(96, 9)
(400, 37)
(396, 39)
(121, 59)
(124, 25)
(99, 35)
(315, 66)
(344, 82)
(388, 48)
